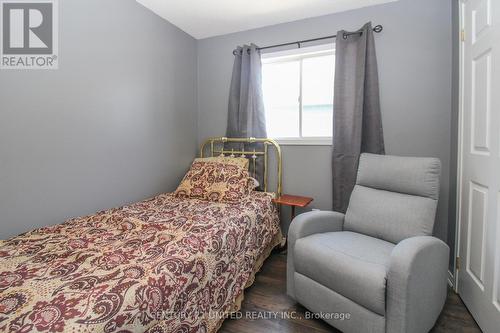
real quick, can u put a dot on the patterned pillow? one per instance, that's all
(214, 181)
(239, 161)
(253, 184)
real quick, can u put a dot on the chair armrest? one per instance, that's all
(304, 225)
(313, 223)
(416, 284)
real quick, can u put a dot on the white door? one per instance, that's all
(479, 274)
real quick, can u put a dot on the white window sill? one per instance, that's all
(304, 141)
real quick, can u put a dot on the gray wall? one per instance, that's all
(414, 53)
(115, 124)
(118, 123)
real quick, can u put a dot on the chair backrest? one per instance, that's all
(394, 197)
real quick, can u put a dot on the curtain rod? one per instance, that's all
(377, 29)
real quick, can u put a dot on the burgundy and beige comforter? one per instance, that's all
(162, 265)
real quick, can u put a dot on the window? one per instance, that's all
(298, 94)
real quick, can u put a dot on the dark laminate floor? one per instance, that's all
(267, 296)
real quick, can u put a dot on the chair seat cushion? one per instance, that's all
(351, 264)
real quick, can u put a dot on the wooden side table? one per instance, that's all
(292, 201)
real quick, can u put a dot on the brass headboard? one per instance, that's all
(216, 148)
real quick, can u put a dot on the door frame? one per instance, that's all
(461, 11)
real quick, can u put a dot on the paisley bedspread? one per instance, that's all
(162, 265)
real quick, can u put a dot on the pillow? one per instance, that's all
(252, 184)
(214, 181)
(239, 161)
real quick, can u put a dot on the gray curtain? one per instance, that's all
(246, 116)
(357, 122)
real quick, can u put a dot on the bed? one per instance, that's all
(166, 264)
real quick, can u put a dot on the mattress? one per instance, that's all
(161, 265)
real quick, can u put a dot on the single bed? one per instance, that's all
(166, 264)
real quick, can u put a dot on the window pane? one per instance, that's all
(318, 75)
(281, 87)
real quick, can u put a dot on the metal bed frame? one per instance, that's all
(257, 148)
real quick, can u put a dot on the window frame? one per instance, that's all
(299, 54)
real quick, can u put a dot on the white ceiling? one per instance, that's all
(207, 18)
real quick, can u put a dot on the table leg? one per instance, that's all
(284, 247)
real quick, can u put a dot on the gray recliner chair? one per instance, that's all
(377, 264)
